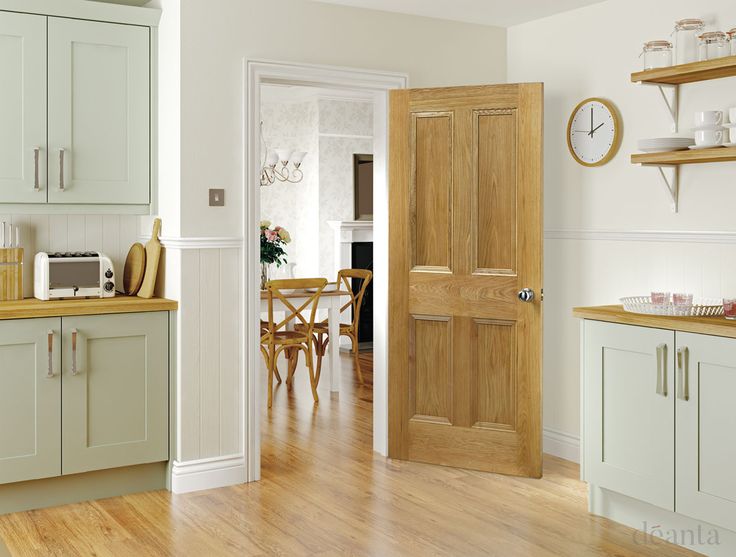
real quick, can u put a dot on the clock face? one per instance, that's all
(592, 132)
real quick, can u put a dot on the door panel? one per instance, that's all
(30, 400)
(630, 445)
(22, 108)
(706, 420)
(99, 112)
(115, 406)
(464, 351)
(431, 195)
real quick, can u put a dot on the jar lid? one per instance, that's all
(713, 37)
(657, 45)
(689, 24)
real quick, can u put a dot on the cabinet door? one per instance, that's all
(22, 108)
(706, 422)
(99, 112)
(30, 399)
(630, 411)
(114, 391)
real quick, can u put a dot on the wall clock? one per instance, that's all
(594, 132)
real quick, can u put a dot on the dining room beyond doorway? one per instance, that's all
(316, 250)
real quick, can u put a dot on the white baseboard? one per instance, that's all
(562, 445)
(207, 473)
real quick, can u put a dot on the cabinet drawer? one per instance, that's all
(115, 391)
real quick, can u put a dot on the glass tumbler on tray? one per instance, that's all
(729, 308)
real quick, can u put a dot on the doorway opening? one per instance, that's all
(365, 82)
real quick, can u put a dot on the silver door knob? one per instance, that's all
(526, 294)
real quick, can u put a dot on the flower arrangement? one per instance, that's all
(273, 241)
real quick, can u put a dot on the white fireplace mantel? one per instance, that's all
(346, 233)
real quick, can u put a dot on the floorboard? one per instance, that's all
(325, 493)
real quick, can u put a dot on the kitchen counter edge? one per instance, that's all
(716, 326)
(29, 308)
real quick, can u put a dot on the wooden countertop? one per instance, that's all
(717, 326)
(31, 307)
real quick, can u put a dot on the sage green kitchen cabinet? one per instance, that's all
(75, 113)
(706, 422)
(30, 399)
(99, 112)
(115, 391)
(22, 108)
(83, 393)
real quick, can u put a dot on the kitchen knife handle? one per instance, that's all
(75, 371)
(662, 370)
(50, 372)
(36, 175)
(61, 170)
(683, 372)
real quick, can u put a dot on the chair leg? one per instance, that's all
(310, 366)
(271, 366)
(293, 357)
(356, 359)
(320, 351)
(276, 373)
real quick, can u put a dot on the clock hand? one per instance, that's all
(596, 129)
(590, 133)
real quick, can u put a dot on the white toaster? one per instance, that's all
(86, 274)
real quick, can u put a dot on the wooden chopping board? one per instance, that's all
(135, 269)
(153, 254)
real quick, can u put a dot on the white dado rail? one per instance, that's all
(346, 233)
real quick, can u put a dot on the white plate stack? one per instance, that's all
(660, 144)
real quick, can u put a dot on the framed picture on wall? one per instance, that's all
(363, 186)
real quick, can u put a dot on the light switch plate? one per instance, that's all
(217, 197)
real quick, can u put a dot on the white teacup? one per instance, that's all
(708, 138)
(732, 115)
(732, 134)
(709, 118)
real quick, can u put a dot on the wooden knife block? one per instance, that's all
(11, 274)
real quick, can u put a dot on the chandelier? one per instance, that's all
(269, 171)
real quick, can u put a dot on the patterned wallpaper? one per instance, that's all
(326, 129)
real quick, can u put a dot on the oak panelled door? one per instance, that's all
(465, 258)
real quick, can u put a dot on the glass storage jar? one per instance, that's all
(713, 44)
(657, 54)
(686, 34)
(732, 39)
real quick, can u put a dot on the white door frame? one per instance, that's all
(256, 73)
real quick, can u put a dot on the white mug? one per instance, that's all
(708, 138)
(732, 115)
(732, 134)
(708, 118)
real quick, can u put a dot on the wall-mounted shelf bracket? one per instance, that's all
(669, 94)
(670, 175)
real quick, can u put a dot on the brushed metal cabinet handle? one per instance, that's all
(662, 370)
(683, 373)
(61, 170)
(36, 175)
(75, 370)
(50, 371)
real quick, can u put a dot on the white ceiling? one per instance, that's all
(504, 13)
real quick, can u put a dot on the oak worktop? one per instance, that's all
(31, 307)
(717, 326)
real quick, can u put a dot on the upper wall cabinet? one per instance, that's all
(22, 108)
(88, 140)
(99, 115)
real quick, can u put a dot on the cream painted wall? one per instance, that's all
(217, 34)
(591, 52)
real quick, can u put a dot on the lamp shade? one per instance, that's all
(298, 156)
(272, 157)
(283, 155)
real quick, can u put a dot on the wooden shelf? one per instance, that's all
(688, 73)
(691, 156)
(31, 307)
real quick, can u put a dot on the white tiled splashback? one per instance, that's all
(111, 234)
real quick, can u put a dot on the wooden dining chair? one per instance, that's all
(275, 339)
(320, 330)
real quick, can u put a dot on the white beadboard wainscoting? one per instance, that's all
(209, 440)
(111, 234)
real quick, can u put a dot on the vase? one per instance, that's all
(265, 274)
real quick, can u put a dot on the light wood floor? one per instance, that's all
(324, 493)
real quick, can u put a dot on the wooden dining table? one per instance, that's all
(332, 301)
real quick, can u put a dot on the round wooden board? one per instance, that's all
(135, 267)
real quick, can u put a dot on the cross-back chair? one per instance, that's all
(275, 339)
